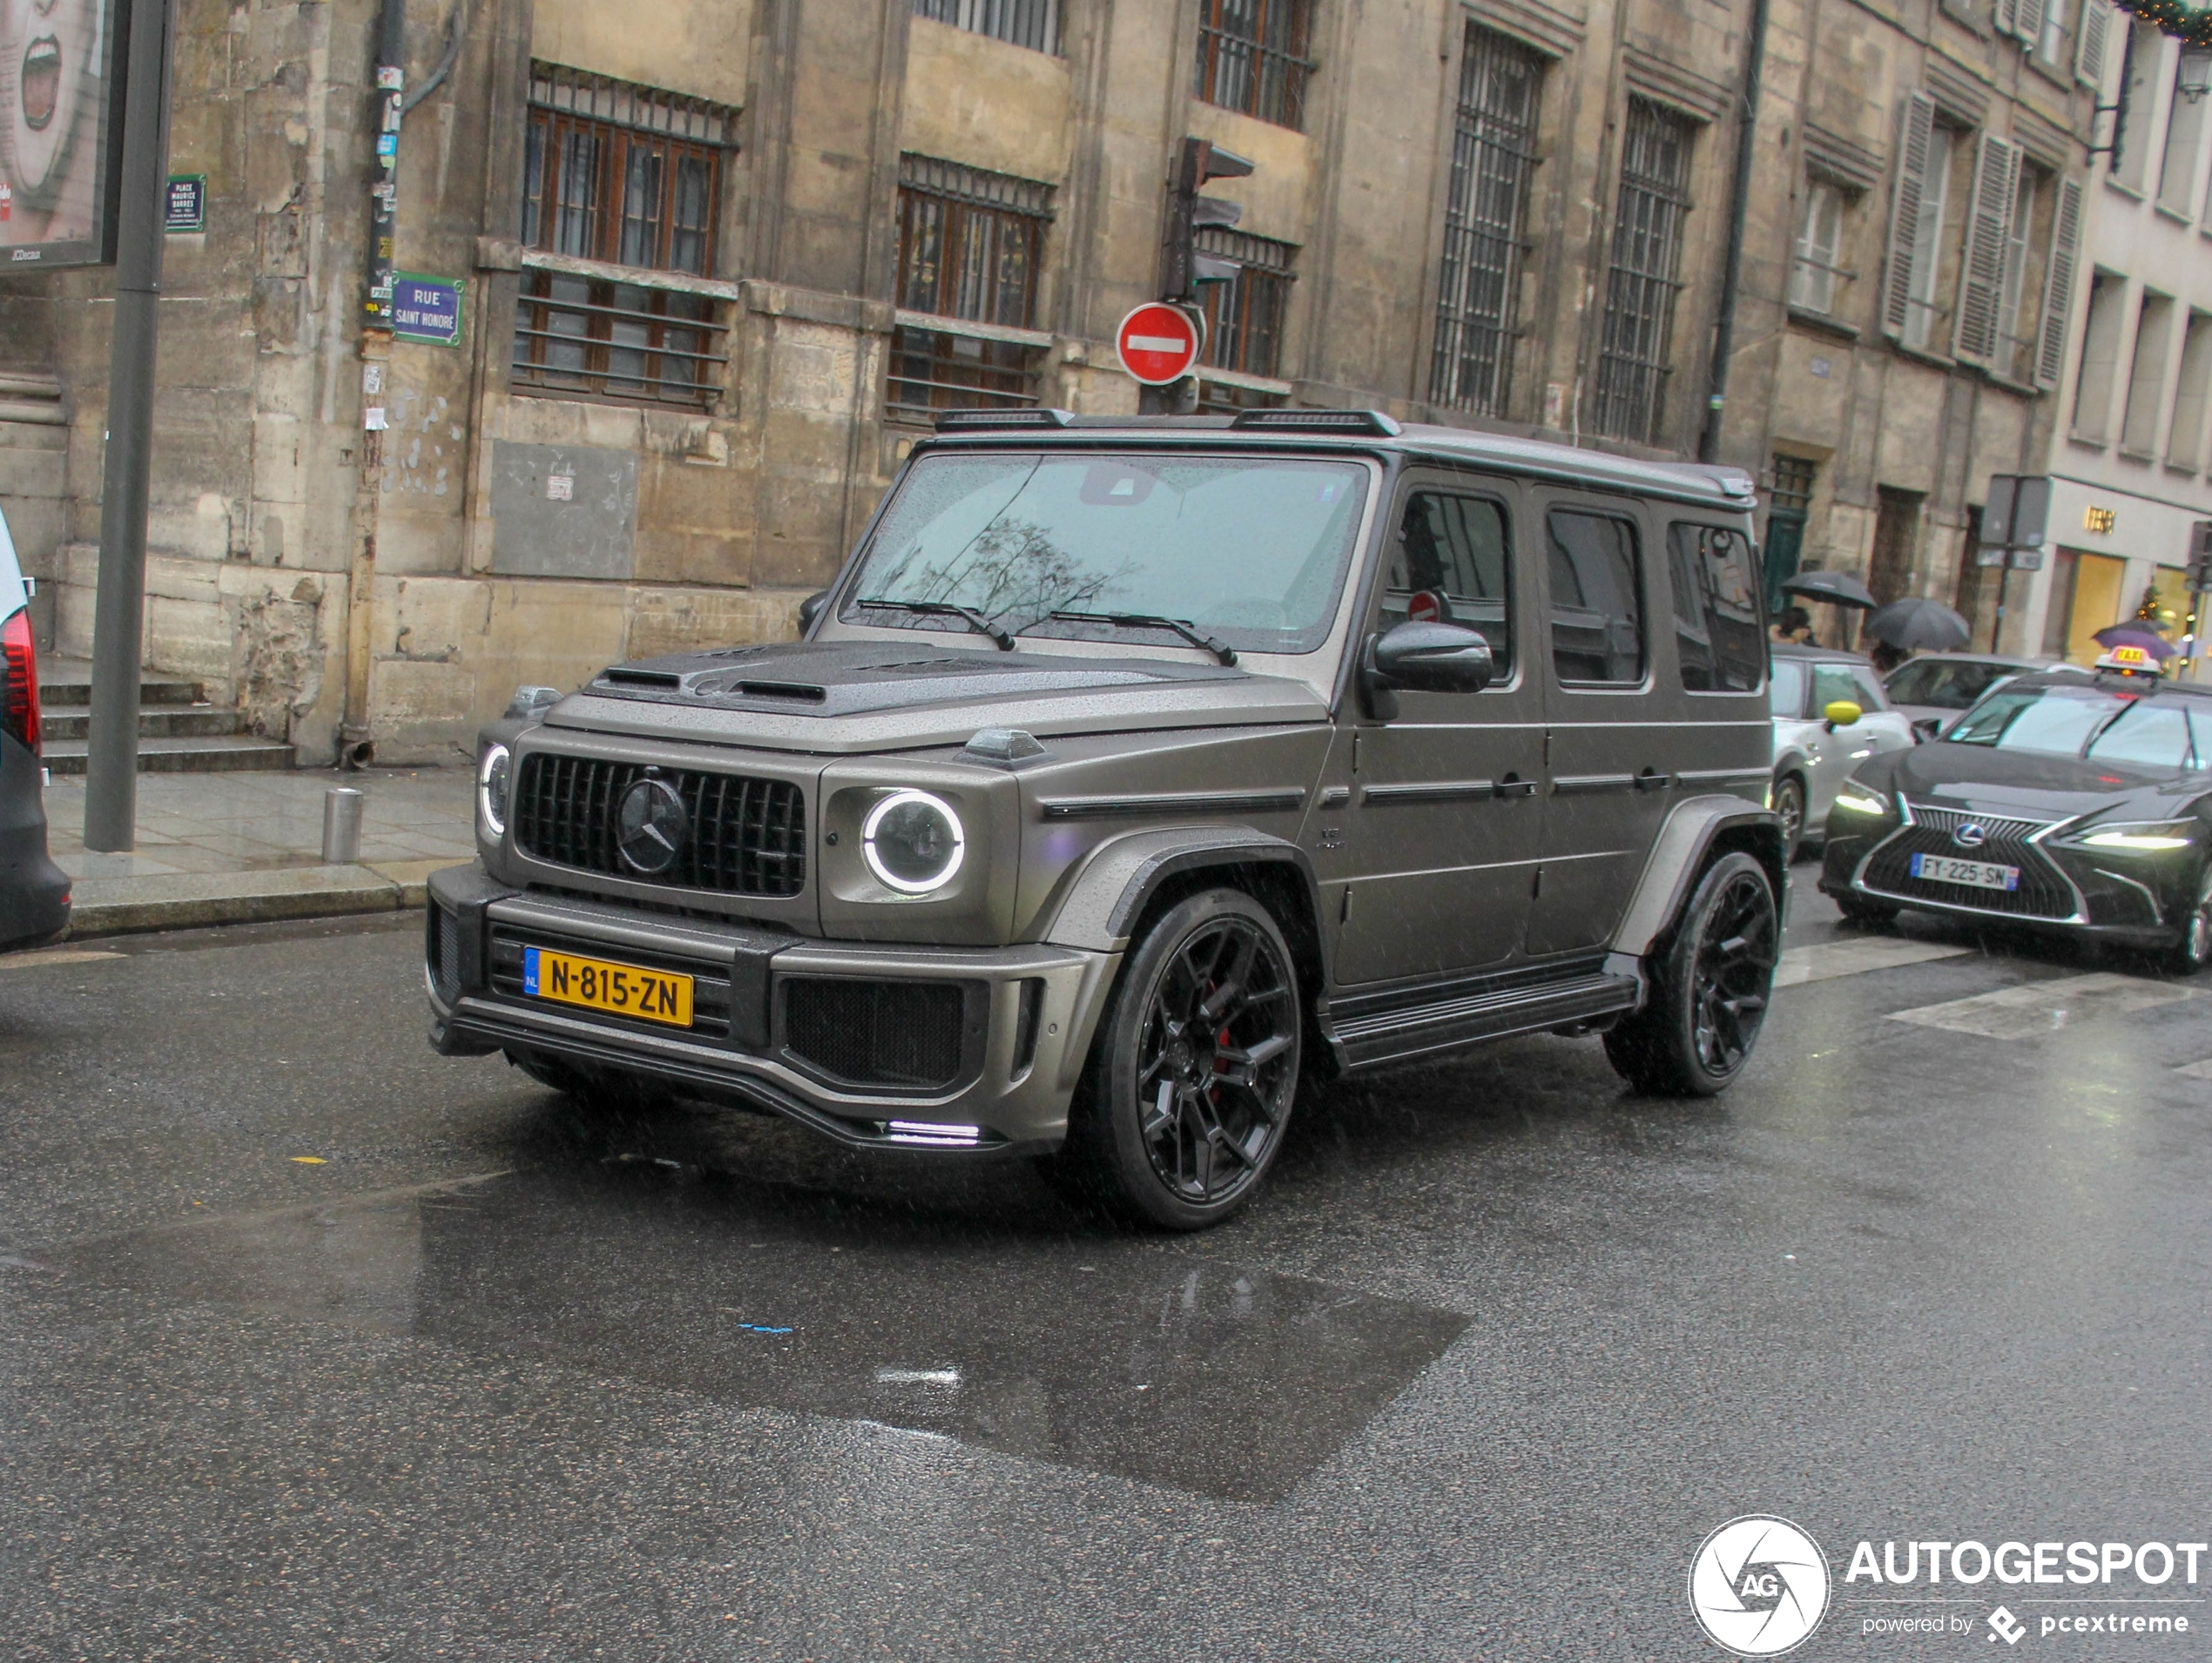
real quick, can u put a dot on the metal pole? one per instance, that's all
(1739, 208)
(118, 614)
(1997, 629)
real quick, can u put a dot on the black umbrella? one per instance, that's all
(2136, 635)
(1837, 588)
(1919, 622)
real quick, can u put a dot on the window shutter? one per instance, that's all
(2031, 24)
(1917, 131)
(2089, 62)
(2008, 16)
(1989, 225)
(2057, 294)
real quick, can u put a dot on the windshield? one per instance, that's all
(2095, 722)
(1787, 688)
(1947, 684)
(1252, 550)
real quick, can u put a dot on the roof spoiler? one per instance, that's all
(1367, 421)
(990, 420)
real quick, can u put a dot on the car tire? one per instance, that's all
(1192, 1076)
(1709, 984)
(2194, 950)
(606, 1092)
(1857, 909)
(1790, 803)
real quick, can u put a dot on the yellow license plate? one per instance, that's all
(653, 995)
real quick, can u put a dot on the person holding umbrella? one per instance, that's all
(1910, 625)
(1834, 588)
(1794, 627)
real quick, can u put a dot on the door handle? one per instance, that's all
(1513, 785)
(1652, 780)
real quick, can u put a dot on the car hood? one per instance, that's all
(1989, 781)
(847, 696)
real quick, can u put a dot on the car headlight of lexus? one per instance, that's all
(1857, 799)
(912, 842)
(2141, 837)
(495, 784)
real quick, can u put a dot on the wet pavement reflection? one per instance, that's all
(1127, 1357)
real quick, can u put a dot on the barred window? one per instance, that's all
(1634, 362)
(632, 177)
(621, 173)
(1245, 315)
(1033, 23)
(969, 247)
(1493, 156)
(1252, 57)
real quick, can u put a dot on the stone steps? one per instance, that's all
(155, 721)
(212, 754)
(179, 732)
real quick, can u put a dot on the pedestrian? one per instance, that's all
(1794, 627)
(1887, 657)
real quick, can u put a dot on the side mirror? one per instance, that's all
(1426, 658)
(811, 608)
(1841, 713)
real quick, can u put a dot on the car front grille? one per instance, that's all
(2043, 892)
(897, 1034)
(444, 953)
(747, 837)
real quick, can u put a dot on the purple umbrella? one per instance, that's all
(2136, 635)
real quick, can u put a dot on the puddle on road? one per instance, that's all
(1114, 1356)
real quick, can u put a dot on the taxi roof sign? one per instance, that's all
(2134, 661)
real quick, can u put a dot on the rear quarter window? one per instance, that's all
(1720, 633)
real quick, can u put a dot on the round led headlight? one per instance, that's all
(913, 843)
(494, 776)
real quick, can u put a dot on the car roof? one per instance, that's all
(1729, 489)
(1819, 655)
(1982, 658)
(2072, 677)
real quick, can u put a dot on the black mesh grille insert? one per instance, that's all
(748, 837)
(2043, 893)
(876, 1032)
(443, 948)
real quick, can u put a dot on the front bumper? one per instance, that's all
(2064, 890)
(820, 1032)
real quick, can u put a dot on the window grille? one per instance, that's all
(1245, 315)
(1633, 364)
(621, 173)
(1033, 23)
(1252, 57)
(581, 337)
(969, 245)
(1493, 156)
(1792, 491)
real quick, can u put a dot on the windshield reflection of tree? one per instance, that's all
(1012, 571)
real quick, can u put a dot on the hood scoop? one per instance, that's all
(846, 678)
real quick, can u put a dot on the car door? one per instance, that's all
(1835, 753)
(1608, 732)
(1887, 727)
(1439, 807)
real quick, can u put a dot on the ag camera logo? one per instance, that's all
(1759, 1586)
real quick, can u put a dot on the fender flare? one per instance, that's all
(1108, 894)
(1677, 854)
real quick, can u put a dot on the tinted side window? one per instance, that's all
(1597, 598)
(1455, 551)
(1717, 632)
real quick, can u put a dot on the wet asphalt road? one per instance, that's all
(1498, 1348)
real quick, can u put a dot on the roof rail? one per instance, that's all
(984, 420)
(1369, 421)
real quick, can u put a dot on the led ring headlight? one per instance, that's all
(913, 843)
(494, 784)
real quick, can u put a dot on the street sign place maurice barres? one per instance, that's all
(1159, 343)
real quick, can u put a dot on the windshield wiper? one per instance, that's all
(966, 615)
(1221, 649)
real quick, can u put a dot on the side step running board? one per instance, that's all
(1418, 1030)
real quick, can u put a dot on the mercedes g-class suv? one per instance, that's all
(1136, 771)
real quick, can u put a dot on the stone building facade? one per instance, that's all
(722, 260)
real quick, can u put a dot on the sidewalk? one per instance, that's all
(246, 847)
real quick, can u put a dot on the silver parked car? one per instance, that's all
(1830, 715)
(1932, 688)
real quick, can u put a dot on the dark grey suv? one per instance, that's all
(34, 891)
(1136, 771)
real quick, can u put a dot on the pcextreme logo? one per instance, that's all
(1759, 1586)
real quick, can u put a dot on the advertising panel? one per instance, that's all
(61, 110)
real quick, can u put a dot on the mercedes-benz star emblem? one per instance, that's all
(649, 827)
(1970, 835)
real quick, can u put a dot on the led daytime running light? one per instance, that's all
(1861, 802)
(2146, 841)
(495, 781)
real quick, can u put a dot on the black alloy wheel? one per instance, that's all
(1790, 803)
(1195, 1068)
(2192, 951)
(1709, 987)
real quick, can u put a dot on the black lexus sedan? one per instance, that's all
(2077, 805)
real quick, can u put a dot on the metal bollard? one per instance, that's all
(341, 825)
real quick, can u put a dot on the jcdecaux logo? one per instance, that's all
(1760, 1586)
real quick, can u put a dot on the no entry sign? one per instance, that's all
(1159, 343)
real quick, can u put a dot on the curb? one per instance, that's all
(194, 900)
